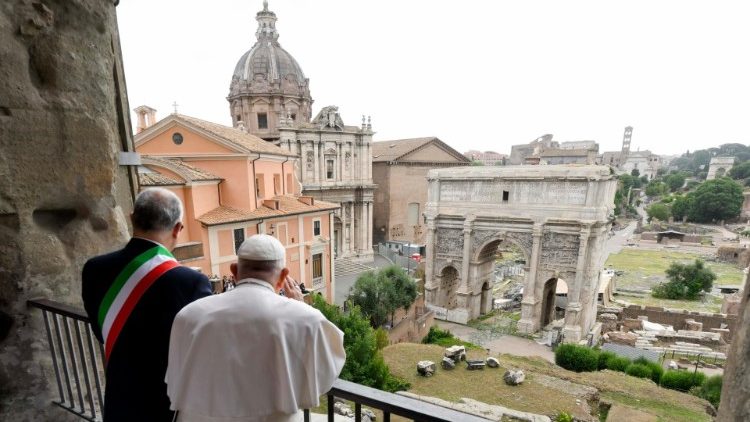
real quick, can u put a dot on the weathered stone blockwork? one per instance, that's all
(63, 120)
(557, 215)
(676, 318)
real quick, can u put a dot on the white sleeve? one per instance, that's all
(175, 360)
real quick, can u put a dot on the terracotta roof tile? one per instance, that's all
(385, 151)
(191, 173)
(237, 137)
(157, 179)
(288, 205)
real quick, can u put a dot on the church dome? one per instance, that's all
(267, 60)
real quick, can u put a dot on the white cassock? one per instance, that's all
(250, 355)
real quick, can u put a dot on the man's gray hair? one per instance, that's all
(156, 209)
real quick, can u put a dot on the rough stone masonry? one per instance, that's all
(63, 196)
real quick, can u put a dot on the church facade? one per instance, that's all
(269, 96)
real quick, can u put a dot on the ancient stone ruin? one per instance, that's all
(557, 215)
(64, 196)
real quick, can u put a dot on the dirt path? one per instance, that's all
(511, 345)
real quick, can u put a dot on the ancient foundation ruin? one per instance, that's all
(558, 216)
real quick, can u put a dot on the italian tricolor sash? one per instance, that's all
(127, 290)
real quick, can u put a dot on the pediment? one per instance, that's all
(432, 152)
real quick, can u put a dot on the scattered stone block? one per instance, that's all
(426, 368)
(492, 362)
(623, 338)
(447, 363)
(473, 365)
(512, 377)
(343, 410)
(630, 324)
(456, 353)
(609, 322)
(369, 414)
(693, 325)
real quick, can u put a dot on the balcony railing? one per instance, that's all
(77, 359)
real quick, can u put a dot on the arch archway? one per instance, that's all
(485, 304)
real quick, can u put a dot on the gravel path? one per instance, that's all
(497, 342)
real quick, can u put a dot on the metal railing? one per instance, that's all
(77, 359)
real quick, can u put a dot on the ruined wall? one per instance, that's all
(735, 391)
(63, 196)
(677, 318)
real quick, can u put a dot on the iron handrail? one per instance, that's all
(88, 406)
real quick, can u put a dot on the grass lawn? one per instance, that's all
(644, 269)
(538, 394)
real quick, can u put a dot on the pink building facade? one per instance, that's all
(235, 185)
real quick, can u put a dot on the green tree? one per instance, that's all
(686, 281)
(364, 362)
(635, 173)
(658, 211)
(718, 199)
(380, 294)
(740, 171)
(656, 188)
(675, 181)
(681, 206)
(476, 163)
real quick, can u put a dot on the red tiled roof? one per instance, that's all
(244, 140)
(385, 151)
(288, 205)
(180, 167)
(157, 179)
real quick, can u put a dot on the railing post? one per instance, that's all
(52, 350)
(64, 361)
(85, 369)
(357, 412)
(330, 407)
(73, 361)
(97, 383)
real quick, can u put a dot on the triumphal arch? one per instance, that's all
(558, 216)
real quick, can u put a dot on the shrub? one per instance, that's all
(563, 417)
(445, 338)
(618, 363)
(682, 380)
(576, 358)
(656, 369)
(710, 390)
(603, 358)
(638, 370)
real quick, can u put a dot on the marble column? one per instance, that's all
(332, 278)
(430, 252)
(316, 162)
(344, 230)
(572, 331)
(530, 305)
(352, 232)
(322, 160)
(468, 224)
(339, 161)
(369, 226)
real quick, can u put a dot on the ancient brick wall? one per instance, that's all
(677, 318)
(63, 196)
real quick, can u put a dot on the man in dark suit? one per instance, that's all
(132, 296)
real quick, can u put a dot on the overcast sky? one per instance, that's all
(478, 74)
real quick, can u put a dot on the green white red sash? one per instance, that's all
(127, 290)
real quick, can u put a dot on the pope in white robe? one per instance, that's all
(251, 355)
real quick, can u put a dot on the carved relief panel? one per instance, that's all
(450, 242)
(523, 240)
(559, 250)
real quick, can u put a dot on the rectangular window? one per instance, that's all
(262, 121)
(239, 237)
(413, 213)
(259, 186)
(316, 227)
(506, 195)
(277, 184)
(329, 169)
(294, 116)
(317, 268)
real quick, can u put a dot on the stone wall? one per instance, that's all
(735, 391)
(63, 196)
(737, 255)
(677, 318)
(413, 325)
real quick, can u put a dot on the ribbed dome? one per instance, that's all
(267, 58)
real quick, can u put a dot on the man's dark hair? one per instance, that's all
(156, 209)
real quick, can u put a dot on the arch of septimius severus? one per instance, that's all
(558, 216)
